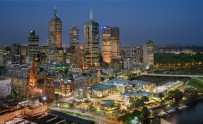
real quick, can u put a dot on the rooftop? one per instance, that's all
(71, 119)
(117, 81)
(140, 82)
(46, 119)
(139, 93)
(101, 87)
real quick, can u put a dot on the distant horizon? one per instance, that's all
(164, 22)
(122, 45)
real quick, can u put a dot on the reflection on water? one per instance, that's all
(192, 115)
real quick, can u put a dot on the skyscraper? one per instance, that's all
(33, 45)
(1, 56)
(139, 54)
(15, 52)
(55, 39)
(55, 31)
(74, 37)
(110, 43)
(148, 53)
(91, 43)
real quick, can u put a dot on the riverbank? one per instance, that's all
(194, 100)
(191, 115)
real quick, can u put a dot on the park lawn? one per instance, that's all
(197, 84)
(200, 78)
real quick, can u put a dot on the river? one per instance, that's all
(193, 114)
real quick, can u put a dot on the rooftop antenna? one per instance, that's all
(55, 13)
(91, 14)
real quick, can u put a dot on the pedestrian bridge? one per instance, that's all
(172, 75)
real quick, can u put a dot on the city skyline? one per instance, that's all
(101, 61)
(164, 22)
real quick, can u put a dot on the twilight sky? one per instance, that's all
(162, 21)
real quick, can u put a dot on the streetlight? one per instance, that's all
(44, 98)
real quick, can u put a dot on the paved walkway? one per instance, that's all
(97, 119)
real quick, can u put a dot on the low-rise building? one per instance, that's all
(101, 90)
(143, 85)
(119, 83)
(5, 87)
(132, 94)
(19, 78)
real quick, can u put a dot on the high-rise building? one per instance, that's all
(139, 54)
(1, 56)
(74, 45)
(33, 45)
(43, 52)
(91, 43)
(55, 31)
(110, 43)
(15, 53)
(55, 39)
(74, 37)
(77, 58)
(148, 53)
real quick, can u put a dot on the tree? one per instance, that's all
(190, 93)
(139, 101)
(144, 113)
(2, 69)
(175, 95)
(111, 78)
(57, 96)
(71, 105)
(102, 78)
(161, 95)
(134, 102)
(178, 96)
(128, 117)
(145, 98)
(131, 76)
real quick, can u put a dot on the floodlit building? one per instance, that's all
(132, 94)
(101, 90)
(55, 39)
(91, 43)
(74, 37)
(54, 67)
(48, 90)
(139, 54)
(148, 53)
(143, 85)
(64, 87)
(5, 87)
(169, 86)
(119, 83)
(110, 43)
(33, 78)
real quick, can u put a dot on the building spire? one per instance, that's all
(45, 81)
(91, 14)
(33, 64)
(52, 81)
(55, 12)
